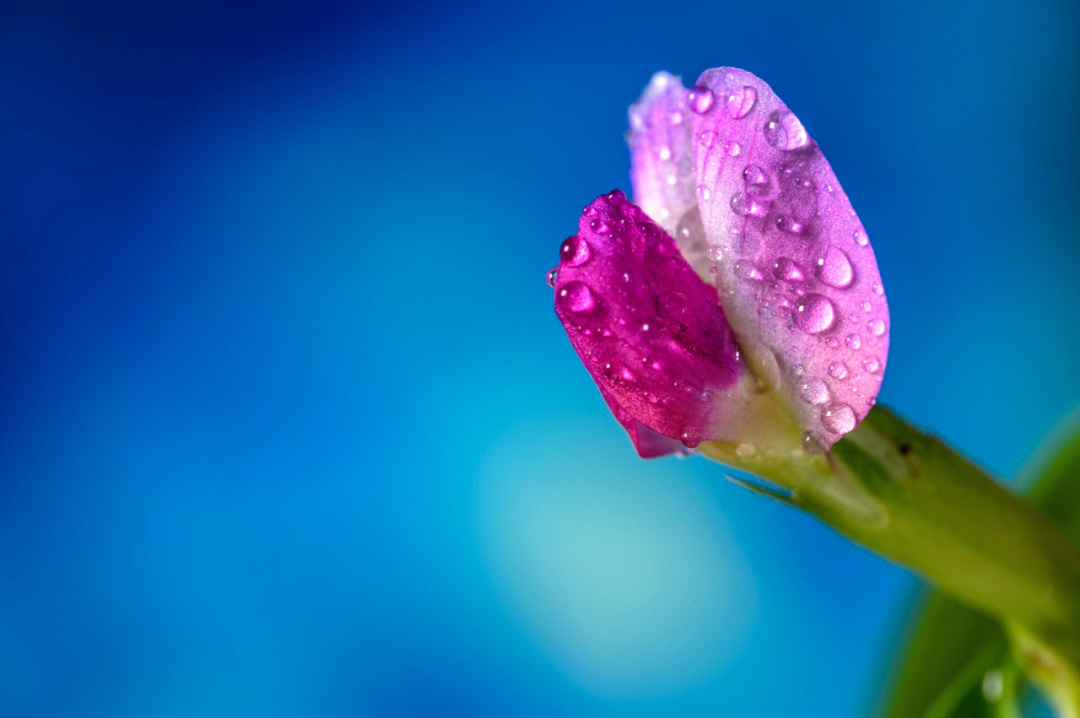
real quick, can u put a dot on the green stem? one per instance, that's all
(912, 499)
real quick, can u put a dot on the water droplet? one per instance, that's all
(741, 101)
(860, 238)
(838, 418)
(626, 375)
(707, 138)
(665, 153)
(748, 270)
(787, 223)
(813, 442)
(835, 269)
(853, 341)
(690, 233)
(993, 685)
(716, 253)
(552, 275)
(756, 179)
(798, 370)
(743, 204)
(837, 370)
(787, 270)
(871, 365)
(676, 118)
(690, 439)
(599, 226)
(784, 131)
(877, 289)
(832, 343)
(814, 391)
(867, 307)
(700, 99)
(574, 251)
(733, 149)
(814, 313)
(577, 297)
(876, 327)
(652, 398)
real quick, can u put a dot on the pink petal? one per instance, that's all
(796, 275)
(647, 328)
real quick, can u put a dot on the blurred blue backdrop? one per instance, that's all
(289, 426)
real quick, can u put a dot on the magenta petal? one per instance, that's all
(796, 274)
(647, 328)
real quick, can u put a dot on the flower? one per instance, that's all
(738, 300)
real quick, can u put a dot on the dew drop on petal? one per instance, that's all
(741, 101)
(853, 341)
(577, 297)
(574, 251)
(756, 179)
(876, 327)
(835, 269)
(733, 149)
(860, 238)
(787, 270)
(700, 99)
(749, 271)
(787, 223)
(871, 365)
(814, 313)
(837, 370)
(813, 391)
(838, 418)
(813, 442)
(784, 131)
(707, 138)
(743, 205)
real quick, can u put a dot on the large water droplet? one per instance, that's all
(835, 269)
(577, 297)
(743, 204)
(784, 131)
(838, 418)
(552, 276)
(700, 99)
(787, 270)
(574, 251)
(814, 313)
(741, 101)
(813, 391)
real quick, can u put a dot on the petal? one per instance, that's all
(647, 328)
(795, 272)
(662, 165)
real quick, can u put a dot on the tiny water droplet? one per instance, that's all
(798, 370)
(749, 271)
(813, 391)
(707, 138)
(756, 179)
(877, 289)
(787, 223)
(743, 205)
(700, 99)
(853, 341)
(787, 270)
(690, 234)
(876, 327)
(837, 370)
(574, 251)
(871, 365)
(835, 269)
(838, 418)
(860, 238)
(814, 313)
(733, 149)
(577, 297)
(600, 226)
(813, 442)
(832, 343)
(676, 118)
(784, 131)
(716, 253)
(741, 101)
(665, 153)
(552, 275)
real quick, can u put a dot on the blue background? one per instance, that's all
(289, 426)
